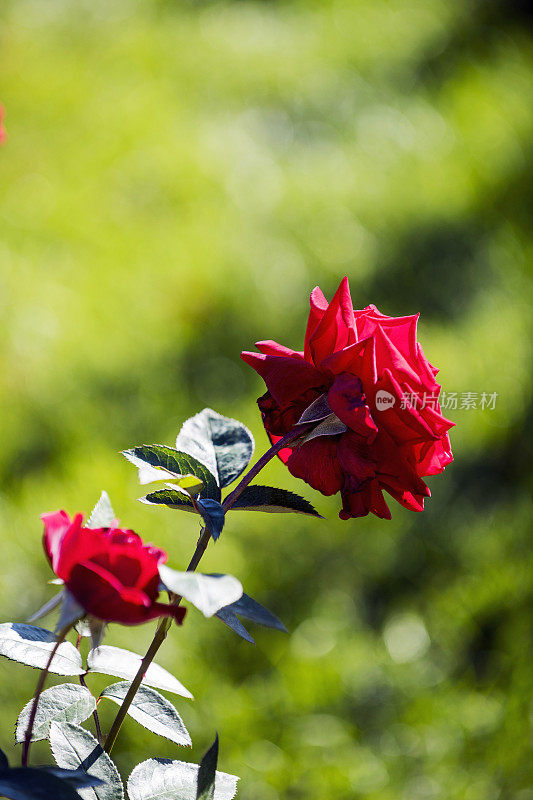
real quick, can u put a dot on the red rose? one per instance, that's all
(369, 366)
(110, 572)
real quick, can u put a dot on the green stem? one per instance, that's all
(38, 691)
(201, 545)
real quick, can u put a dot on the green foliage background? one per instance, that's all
(176, 179)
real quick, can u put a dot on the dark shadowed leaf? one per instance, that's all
(102, 515)
(77, 778)
(74, 747)
(208, 593)
(330, 426)
(35, 784)
(276, 501)
(4, 763)
(319, 409)
(170, 498)
(66, 702)
(213, 516)
(70, 612)
(48, 607)
(224, 445)
(160, 779)
(152, 710)
(124, 664)
(205, 786)
(30, 645)
(157, 462)
(230, 619)
(250, 609)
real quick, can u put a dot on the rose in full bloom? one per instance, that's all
(385, 431)
(110, 572)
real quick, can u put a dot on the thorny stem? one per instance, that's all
(201, 545)
(38, 691)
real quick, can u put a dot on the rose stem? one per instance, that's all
(203, 541)
(39, 688)
(84, 684)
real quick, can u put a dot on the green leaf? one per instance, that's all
(205, 785)
(208, 593)
(73, 747)
(229, 618)
(124, 664)
(157, 462)
(25, 783)
(213, 515)
(67, 702)
(160, 779)
(102, 515)
(152, 710)
(170, 498)
(211, 510)
(30, 645)
(273, 500)
(190, 484)
(224, 445)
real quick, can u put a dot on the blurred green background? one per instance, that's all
(176, 179)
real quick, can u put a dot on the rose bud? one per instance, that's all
(109, 571)
(385, 431)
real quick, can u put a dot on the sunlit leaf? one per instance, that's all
(160, 779)
(208, 593)
(170, 498)
(223, 444)
(102, 515)
(124, 664)
(74, 747)
(152, 710)
(66, 702)
(30, 645)
(157, 462)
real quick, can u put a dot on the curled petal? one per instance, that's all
(56, 526)
(286, 378)
(336, 329)
(319, 306)
(270, 348)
